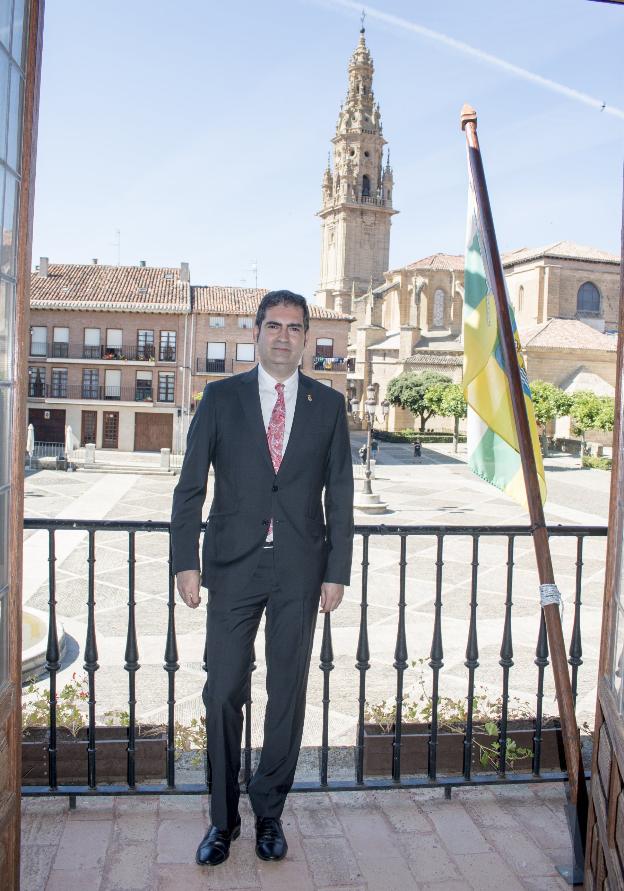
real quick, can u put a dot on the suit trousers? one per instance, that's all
(232, 624)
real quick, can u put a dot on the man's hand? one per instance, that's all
(331, 596)
(188, 587)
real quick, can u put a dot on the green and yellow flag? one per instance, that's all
(493, 451)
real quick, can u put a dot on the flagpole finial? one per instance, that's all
(468, 116)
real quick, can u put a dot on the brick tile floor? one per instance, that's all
(362, 841)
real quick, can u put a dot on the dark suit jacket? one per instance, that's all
(227, 432)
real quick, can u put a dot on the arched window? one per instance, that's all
(365, 186)
(588, 299)
(520, 298)
(438, 308)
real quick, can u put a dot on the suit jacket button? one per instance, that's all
(274, 488)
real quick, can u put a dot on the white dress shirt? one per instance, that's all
(268, 398)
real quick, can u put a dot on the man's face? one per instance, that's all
(281, 340)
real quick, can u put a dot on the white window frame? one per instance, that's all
(246, 322)
(239, 358)
(216, 322)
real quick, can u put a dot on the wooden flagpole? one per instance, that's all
(571, 741)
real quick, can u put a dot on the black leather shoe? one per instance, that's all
(270, 841)
(215, 845)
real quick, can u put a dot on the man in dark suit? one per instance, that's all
(279, 445)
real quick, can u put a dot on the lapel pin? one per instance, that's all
(309, 398)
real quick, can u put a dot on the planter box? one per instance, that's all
(111, 749)
(450, 750)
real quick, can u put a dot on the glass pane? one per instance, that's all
(4, 538)
(4, 638)
(7, 307)
(5, 21)
(5, 426)
(19, 31)
(14, 144)
(617, 678)
(8, 247)
(4, 99)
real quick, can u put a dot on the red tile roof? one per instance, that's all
(227, 300)
(567, 334)
(564, 250)
(444, 262)
(99, 287)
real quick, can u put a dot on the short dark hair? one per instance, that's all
(278, 298)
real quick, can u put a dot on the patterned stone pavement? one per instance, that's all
(483, 839)
(438, 489)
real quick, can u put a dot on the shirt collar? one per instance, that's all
(268, 382)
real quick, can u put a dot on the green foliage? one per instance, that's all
(452, 716)
(448, 400)
(606, 415)
(70, 705)
(597, 463)
(591, 412)
(409, 389)
(549, 403)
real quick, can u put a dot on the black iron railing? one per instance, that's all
(124, 353)
(433, 776)
(213, 366)
(328, 363)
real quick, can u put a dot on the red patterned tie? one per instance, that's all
(275, 435)
(275, 430)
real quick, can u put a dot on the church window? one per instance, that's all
(588, 299)
(352, 152)
(520, 298)
(366, 154)
(438, 308)
(365, 186)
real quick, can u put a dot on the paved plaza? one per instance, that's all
(484, 838)
(438, 489)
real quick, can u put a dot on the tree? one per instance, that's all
(447, 400)
(408, 390)
(549, 403)
(606, 415)
(586, 413)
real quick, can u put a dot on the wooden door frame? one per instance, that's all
(602, 818)
(104, 446)
(10, 701)
(88, 411)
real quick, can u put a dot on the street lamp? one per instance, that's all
(370, 406)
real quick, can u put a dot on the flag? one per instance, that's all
(493, 451)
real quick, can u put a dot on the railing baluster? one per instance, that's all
(400, 664)
(327, 665)
(436, 657)
(472, 657)
(541, 660)
(506, 658)
(248, 702)
(132, 662)
(576, 648)
(171, 666)
(91, 663)
(362, 664)
(53, 658)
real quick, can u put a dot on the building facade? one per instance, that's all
(357, 192)
(119, 353)
(565, 298)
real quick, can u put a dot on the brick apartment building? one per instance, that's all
(119, 352)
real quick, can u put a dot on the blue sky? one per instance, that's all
(201, 130)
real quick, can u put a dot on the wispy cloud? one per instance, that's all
(468, 50)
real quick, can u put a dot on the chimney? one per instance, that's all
(185, 272)
(43, 267)
(94, 261)
(142, 264)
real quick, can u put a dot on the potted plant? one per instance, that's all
(417, 708)
(72, 740)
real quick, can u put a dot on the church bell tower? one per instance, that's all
(356, 194)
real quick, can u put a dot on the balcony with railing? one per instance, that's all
(329, 363)
(80, 392)
(90, 353)
(213, 366)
